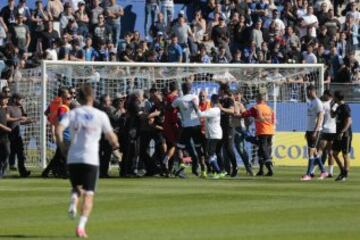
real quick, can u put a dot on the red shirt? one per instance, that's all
(170, 113)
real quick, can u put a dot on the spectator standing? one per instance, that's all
(95, 12)
(152, 8)
(105, 149)
(159, 26)
(17, 115)
(48, 37)
(20, 34)
(323, 37)
(39, 17)
(82, 20)
(89, 51)
(221, 37)
(4, 132)
(8, 15)
(256, 34)
(54, 9)
(309, 23)
(309, 56)
(101, 32)
(167, 9)
(113, 15)
(66, 17)
(199, 27)
(183, 32)
(333, 24)
(291, 39)
(76, 53)
(24, 10)
(174, 51)
(342, 46)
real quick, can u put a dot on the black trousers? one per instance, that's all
(226, 143)
(4, 155)
(57, 165)
(264, 152)
(17, 150)
(105, 151)
(150, 163)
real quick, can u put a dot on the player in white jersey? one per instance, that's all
(213, 132)
(190, 123)
(86, 125)
(328, 132)
(315, 116)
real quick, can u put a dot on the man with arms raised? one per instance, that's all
(86, 124)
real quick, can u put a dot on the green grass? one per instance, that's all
(281, 207)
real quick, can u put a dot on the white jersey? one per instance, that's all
(329, 124)
(314, 107)
(212, 123)
(189, 118)
(86, 125)
(167, 3)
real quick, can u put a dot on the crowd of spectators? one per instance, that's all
(216, 31)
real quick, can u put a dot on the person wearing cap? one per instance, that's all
(16, 111)
(158, 42)
(4, 132)
(167, 9)
(20, 33)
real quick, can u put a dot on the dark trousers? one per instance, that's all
(239, 141)
(264, 152)
(226, 143)
(57, 165)
(4, 155)
(17, 150)
(105, 152)
(150, 163)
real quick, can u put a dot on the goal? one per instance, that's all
(284, 85)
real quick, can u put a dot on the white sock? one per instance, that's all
(82, 222)
(331, 169)
(73, 200)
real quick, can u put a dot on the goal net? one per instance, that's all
(284, 86)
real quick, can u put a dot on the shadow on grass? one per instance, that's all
(25, 236)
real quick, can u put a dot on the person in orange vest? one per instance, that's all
(265, 130)
(56, 110)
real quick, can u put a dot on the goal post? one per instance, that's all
(283, 83)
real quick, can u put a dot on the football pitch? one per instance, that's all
(280, 207)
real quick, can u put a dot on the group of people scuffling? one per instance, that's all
(158, 131)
